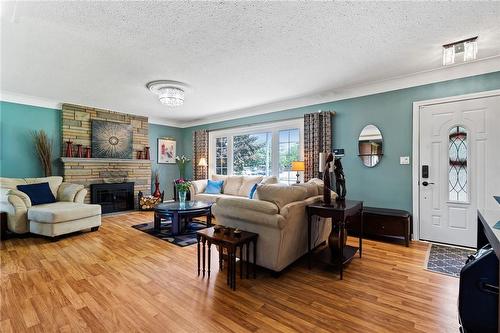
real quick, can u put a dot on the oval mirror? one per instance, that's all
(370, 145)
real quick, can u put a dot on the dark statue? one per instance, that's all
(327, 195)
(339, 179)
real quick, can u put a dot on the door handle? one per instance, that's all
(427, 183)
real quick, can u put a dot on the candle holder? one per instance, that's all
(69, 148)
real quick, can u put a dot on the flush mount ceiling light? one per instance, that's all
(170, 93)
(467, 47)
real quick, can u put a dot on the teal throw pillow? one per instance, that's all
(214, 187)
(252, 191)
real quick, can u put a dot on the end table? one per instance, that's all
(231, 243)
(339, 212)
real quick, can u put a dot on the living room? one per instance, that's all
(250, 166)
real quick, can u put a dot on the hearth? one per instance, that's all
(113, 197)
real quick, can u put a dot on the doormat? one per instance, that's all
(185, 239)
(447, 260)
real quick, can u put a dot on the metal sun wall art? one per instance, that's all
(111, 140)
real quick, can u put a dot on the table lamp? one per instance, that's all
(298, 166)
(203, 163)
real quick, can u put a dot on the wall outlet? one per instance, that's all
(403, 160)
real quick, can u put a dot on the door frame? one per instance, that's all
(417, 105)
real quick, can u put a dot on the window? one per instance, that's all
(457, 171)
(221, 156)
(252, 154)
(264, 150)
(289, 145)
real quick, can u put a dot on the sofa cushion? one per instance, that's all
(214, 186)
(232, 185)
(62, 211)
(280, 194)
(210, 197)
(54, 182)
(38, 193)
(247, 184)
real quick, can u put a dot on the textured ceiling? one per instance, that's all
(233, 55)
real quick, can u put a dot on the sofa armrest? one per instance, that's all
(250, 204)
(68, 191)
(80, 196)
(198, 186)
(296, 207)
(15, 195)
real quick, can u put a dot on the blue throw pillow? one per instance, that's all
(214, 187)
(252, 191)
(39, 193)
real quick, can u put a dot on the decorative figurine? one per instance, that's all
(339, 179)
(327, 195)
(87, 152)
(69, 148)
(79, 151)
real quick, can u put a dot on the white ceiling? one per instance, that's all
(237, 57)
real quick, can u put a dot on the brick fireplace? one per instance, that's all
(76, 126)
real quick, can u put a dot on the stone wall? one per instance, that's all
(76, 126)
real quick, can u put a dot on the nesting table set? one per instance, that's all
(227, 238)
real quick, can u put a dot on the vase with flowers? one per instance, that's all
(182, 161)
(156, 177)
(182, 185)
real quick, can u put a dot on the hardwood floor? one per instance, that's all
(120, 279)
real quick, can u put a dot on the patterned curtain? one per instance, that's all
(200, 149)
(317, 139)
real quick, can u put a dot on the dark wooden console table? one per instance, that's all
(226, 239)
(340, 213)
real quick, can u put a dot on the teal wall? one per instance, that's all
(18, 157)
(389, 183)
(167, 172)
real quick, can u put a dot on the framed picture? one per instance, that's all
(166, 150)
(111, 139)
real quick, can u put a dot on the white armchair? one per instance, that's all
(67, 214)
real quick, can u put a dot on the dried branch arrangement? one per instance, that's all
(43, 145)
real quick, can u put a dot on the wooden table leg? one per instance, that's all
(341, 238)
(175, 223)
(209, 218)
(309, 218)
(198, 252)
(228, 268)
(233, 275)
(209, 256)
(248, 258)
(221, 258)
(157, 222)
(361, 235)
(254, 259)
(204, 257)
(241, 261)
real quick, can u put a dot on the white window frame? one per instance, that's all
(274, 128)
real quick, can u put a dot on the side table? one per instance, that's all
(339, 212)
(3, 226)
(226, 239)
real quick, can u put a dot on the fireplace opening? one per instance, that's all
(113, 197)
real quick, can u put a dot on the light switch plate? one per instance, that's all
(404, 160)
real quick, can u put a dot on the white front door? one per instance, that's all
(459, 167)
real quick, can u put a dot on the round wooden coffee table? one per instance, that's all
(178, 212)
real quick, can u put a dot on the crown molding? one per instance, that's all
(12, 97)
(457, 71)
(478, 67)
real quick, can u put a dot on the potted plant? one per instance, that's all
(181, 163)
(43, 147)
(182, 185)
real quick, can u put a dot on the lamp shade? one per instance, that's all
(202, 162)
(322, 159)
(298, 166)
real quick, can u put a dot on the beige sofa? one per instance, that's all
(68, 214)
(234, 186)
(279, 217)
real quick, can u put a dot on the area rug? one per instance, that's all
(447, 260)
(187, 238)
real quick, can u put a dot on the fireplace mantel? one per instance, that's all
(101, 160)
